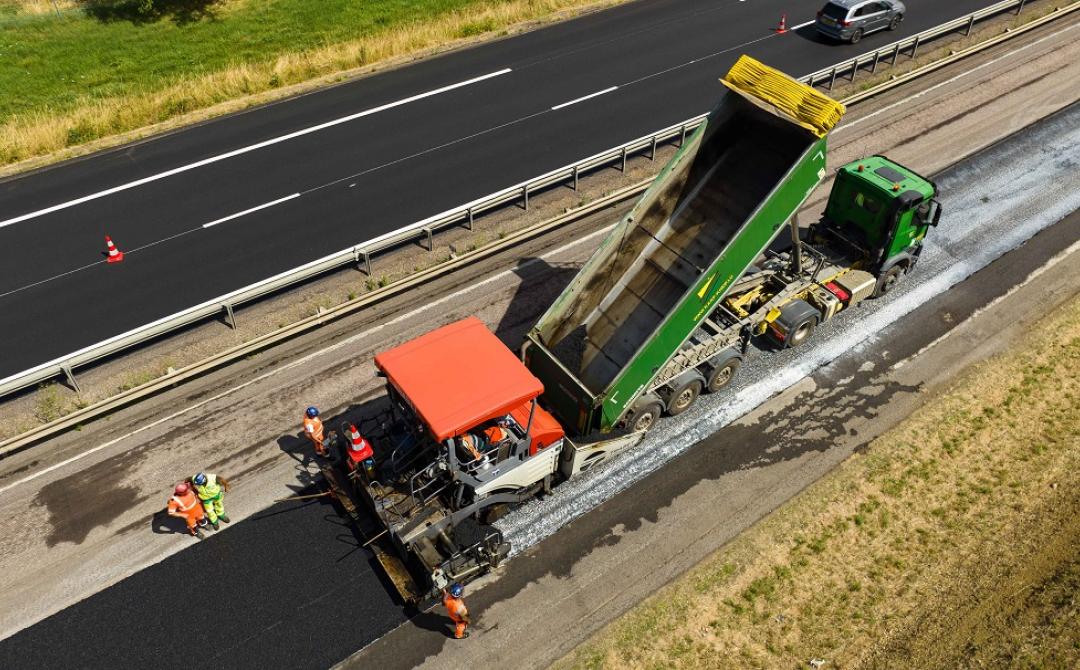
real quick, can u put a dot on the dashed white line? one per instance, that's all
(253, 209)
(585, 97)
(248, 149)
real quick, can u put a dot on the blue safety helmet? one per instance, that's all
(312, 412)
(456, 590)
(199, 479)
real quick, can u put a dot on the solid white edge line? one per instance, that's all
(249, 148)
(584, 97)
(253, 209)
(301, 361)
(801, 25)
(898, 103)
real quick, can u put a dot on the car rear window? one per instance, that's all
(834, 11)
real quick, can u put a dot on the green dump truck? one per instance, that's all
(665, 309)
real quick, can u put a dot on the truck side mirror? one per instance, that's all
(933, 216)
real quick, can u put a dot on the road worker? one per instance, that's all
(211, 491)
(455, 607)
(497, 434)
(471, 444)
(313, 428)
(184, 504)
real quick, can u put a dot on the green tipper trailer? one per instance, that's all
(716, 207)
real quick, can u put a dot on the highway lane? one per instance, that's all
(369, 175)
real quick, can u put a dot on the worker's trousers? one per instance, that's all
(193, 517)
(459, 628)
(215, 507)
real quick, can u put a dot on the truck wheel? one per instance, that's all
(888, 280)
(798, 320)
(856, 36)
(721, 373)
(683, 396)
(646, 412)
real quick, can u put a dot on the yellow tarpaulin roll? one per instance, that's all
(812, 110)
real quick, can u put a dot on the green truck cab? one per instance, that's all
(884, 210)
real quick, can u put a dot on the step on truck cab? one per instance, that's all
(664, 310)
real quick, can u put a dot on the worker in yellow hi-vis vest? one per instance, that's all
(211, 491)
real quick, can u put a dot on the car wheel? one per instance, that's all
(895, 23)
(856, 36)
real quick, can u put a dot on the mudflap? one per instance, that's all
(393, 567)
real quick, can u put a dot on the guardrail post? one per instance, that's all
(72, 382)
(832, 78)
(652, 149)
(682, 136)
(854, 69)
(230, 318)
(525, 196)
(430, 238)
(895, 53)
(362, 257)
(915, 46)
(575, 177)
(1020, 7)
(623, 168)
(469, 224)
(873, 69)
(971, 22)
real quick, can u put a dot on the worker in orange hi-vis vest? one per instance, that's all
(184, 504)
(313, 428)
(455, 607)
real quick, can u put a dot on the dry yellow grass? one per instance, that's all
(30, 141)
(951, 542)
(39, 6)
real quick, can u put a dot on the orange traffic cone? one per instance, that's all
(782, 28)
(115, 255)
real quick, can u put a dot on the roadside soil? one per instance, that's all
(243, 422)
(950, 542)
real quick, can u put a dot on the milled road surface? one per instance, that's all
(213, 208)
(60, 547)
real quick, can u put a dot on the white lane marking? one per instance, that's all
(801, 25)
(301, 361)
(585, 97)
(250, 148)
(253, 209)
(1035, 274)
(951, 80)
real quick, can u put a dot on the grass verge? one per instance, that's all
(951, 542)
(71, 80)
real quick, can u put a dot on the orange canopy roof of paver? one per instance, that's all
(458, 376)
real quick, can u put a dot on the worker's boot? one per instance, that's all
(224, 518)
(199, 534)
(215, 525)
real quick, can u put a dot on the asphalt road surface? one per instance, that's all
(287, 588)
(213, 208)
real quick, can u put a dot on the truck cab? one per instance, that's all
(881, 211)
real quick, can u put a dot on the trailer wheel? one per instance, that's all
(683, 396)
(647, 410)
(888, 280)
(722, 372)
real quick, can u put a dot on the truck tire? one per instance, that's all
(721, 370)
(646, 412)
(888, 280)
(798, 319)
(683, 395)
